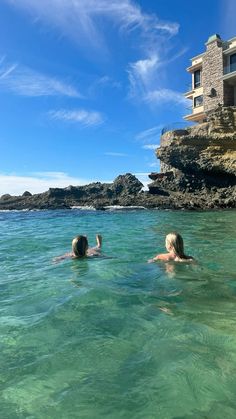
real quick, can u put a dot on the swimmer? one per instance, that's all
(80, 248)
(175, 248)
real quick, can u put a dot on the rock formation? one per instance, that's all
(200, 162)
(123, 191)
(198, 171)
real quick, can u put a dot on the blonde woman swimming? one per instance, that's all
(175, 248)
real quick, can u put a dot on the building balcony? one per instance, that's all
(189, 94)
(197, 114)
(193, 91)
(230, 74)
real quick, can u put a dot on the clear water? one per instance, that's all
(117, 337)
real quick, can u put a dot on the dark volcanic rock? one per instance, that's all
(6, 196)
(123, 191)
(127, 184)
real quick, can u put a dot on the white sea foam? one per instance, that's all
(123, 207)
(88, 208)
(22, 210)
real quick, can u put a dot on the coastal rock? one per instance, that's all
(6, 196)
(201, 154)
(123, 191)
(127, 184)
(200, 163)
(26, 193)
(198, 171)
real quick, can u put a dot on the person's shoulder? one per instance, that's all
(93, 251)
(166, 257)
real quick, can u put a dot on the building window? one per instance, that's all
(197, 78)
(198, 101)
(232, 62)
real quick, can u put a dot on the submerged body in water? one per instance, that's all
(139, 340)
(175, 248)
(81, 249)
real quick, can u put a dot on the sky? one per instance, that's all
(87, 85)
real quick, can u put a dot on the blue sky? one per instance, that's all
(87, 85)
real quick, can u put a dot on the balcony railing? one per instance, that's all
(229, 68)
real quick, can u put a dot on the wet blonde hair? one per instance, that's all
(80, 246)
(174, 241)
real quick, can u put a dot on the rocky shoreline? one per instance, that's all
(102, 196)
(198, 171)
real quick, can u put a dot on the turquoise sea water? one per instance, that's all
(117, 337)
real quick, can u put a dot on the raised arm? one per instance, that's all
(99, 241)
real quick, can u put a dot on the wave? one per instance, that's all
(84, 207)
(123, 207)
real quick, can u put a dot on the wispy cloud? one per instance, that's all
(24, 81)
(114, 154)
(151, 134)
(81, 19)
(145, 75)
(85, 21)
(142, 74)
(38, 182)
(154, 164)
(101, 83)
(160, 96)
(81, 116)
(145, 86)
(150, 146)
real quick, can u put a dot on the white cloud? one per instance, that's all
(145, 85)
(14, 184)
(81, 116)
(160, 96)
(150, 134)
(114, 154)
(103, 82)
(142, 74)
(146, 68)
(145, 75)
(143, 177)
(85, 21)
(81, 19)
(24, 81)
(150, 146)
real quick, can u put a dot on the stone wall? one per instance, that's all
(212, 71)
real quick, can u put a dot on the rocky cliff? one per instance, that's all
(200, 162)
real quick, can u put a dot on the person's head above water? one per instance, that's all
(175, 244)
(80, 246)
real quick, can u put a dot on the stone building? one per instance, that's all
(213, 78)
